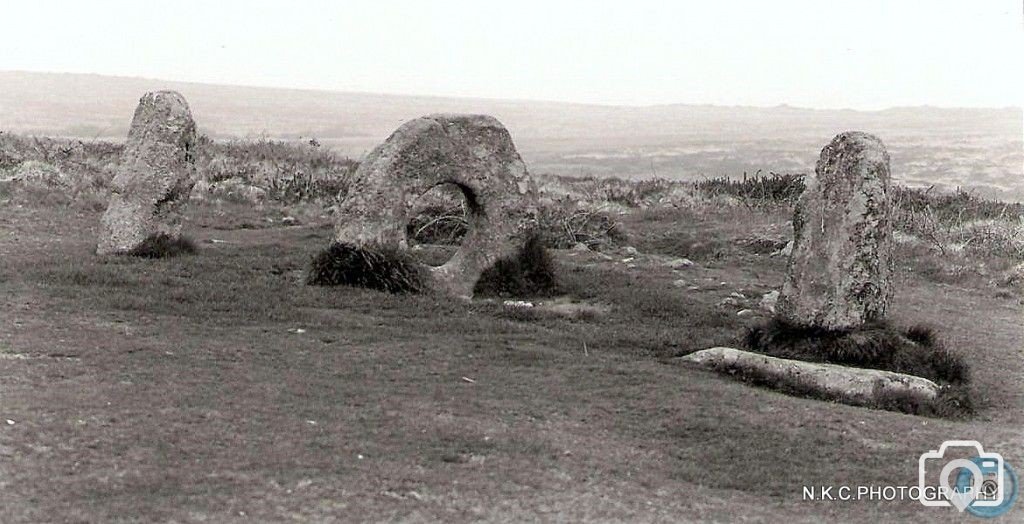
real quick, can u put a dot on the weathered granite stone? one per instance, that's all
(473, 152)
(155, 176)
(847, 384)
(839, 273)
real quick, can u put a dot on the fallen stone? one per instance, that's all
(155, 177)
(846, 384)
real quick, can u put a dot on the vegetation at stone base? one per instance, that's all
(530, 272)
(384, 270)
(879, 345)
(162, 245)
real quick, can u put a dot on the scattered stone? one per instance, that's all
(769, 300)
(785, 251)
(627, 260)
(472, 152)
(729, 302)
(680, 263)
(679, 283)
(581, 247)
(630, 250)
(745, 313)
(839, 271)
(155, 176)
(846, 384)
(738, 295)
(517, 303)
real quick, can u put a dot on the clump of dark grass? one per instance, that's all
(347, 265)
(530, 272)
(877, 345)
(162, 245)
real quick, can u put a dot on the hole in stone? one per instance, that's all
(440, 220)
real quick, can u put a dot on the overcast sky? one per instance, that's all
(864, 54)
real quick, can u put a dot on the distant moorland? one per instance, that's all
(981, 150)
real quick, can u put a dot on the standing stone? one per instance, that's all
(839, 273)
(155, 176)
(474, 153)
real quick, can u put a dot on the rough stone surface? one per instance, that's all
(839, 273)
(854, 385)
(473, 152)
(155, 176)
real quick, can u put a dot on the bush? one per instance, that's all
(756, 190)
(162, 245)
(878, 345)
(439, 225)
(346, 265)
(564, 223)
(530, 272)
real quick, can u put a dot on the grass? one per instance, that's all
(345, 265)
(529, 273)
(913, 351)
(878, 345)
(162, 245)
(218, 387)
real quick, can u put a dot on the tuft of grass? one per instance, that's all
(878, 345)
(162, 245)
(530, 272)
(346, 265)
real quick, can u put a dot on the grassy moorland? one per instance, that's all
(217, 387)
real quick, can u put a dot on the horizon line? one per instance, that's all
(780, 105)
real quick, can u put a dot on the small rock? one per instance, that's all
(518, 303)
(784, 252)
(736, 294)
(288, 220)
(580, 247)
(680, 263)
(679, 283)
(627, 260)
(769, 300)
(745, 313)
(728, 301)
(630, 250)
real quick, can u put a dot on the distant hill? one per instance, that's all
(978, 148)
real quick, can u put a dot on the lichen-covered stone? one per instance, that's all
(839, 273)
(155, 177)
(848, 384)
(473, 152)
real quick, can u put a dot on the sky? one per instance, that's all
(863, 54)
